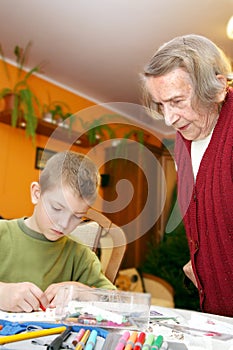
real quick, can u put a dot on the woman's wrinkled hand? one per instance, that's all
(188, 270)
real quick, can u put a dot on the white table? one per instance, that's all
(195, 320)
(179, 339)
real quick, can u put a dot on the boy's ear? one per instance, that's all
(35, 192)
(221, 95)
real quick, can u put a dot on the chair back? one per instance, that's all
(99, 233)
(162, 292)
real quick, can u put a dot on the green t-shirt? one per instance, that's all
(28, 256)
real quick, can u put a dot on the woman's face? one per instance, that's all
(173, 94)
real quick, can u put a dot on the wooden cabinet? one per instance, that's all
(138, 195)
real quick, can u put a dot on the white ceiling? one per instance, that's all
(98, 48)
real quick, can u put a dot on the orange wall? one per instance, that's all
(17, 154)
(44, 89)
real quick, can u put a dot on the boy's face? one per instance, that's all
(57, 212)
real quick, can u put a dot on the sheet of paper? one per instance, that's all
(209, 323)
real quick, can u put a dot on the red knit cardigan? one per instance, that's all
(207, 209)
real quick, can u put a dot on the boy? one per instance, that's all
(36, 256)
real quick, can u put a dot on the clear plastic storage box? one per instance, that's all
(103, 308)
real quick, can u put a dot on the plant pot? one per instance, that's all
(48, 117)
(9, 102)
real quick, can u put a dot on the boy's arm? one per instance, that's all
(88, 275)
(90, 272)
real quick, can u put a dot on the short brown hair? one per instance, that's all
(73, 169)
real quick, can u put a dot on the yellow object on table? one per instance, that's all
(31, 334)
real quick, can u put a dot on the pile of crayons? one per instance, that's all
(141, 341)
(85, 339)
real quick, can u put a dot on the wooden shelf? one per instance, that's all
(49, 129)
(69, 136)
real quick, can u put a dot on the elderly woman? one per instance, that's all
(185, 82)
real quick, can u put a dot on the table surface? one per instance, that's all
(163, 316)
(207, 323)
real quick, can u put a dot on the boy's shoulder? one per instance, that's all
(8, 225)
(8, 222)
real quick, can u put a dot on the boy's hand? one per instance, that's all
(52, 290)
(21, 297)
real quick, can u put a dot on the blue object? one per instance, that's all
(91, 340)
(10, 328)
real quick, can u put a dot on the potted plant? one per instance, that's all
(98, 130)
(58, 112)
(24, 101)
